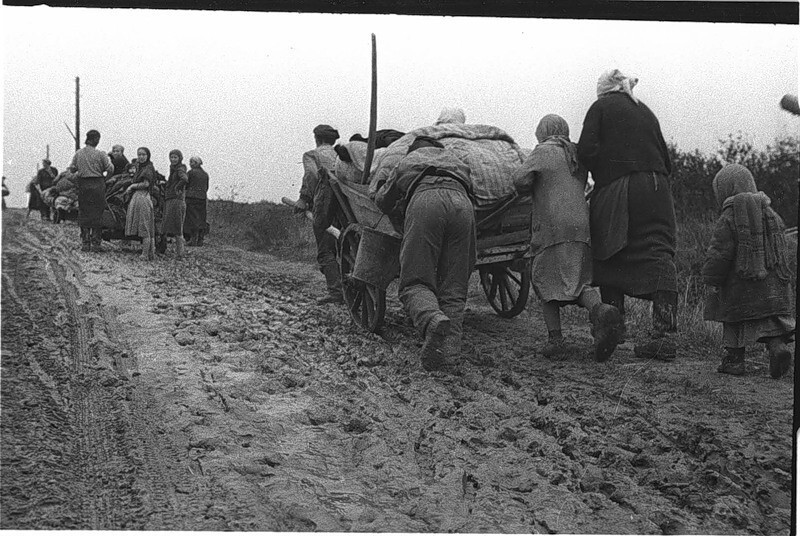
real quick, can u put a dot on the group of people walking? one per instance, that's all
(622, 242)
(183, 188)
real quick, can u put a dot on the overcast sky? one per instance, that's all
(244, 90)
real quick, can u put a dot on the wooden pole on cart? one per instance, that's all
(373, 115)
(331, 230)
(77, 113)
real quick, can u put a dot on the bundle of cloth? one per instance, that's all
(352, 156)
(63, 195)
(489, 152)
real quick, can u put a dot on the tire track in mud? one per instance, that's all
(100, 475)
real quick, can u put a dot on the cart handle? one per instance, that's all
(330, 230)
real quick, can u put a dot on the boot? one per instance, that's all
(180, 246)
(432, 352)
(614, 296)
(200, 236)
(96, 240)
(192, 240)
(663, 345)
(780, 357)
(333, 280)
(607, 328)
(732, 362)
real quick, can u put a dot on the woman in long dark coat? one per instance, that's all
(632, 215)
(196, 197)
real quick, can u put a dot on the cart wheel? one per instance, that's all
(366, 303)
(507, 286)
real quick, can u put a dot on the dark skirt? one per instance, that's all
(174, 213)
(195, 215)
(91, 201)
(646, 262)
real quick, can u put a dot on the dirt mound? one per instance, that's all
(213, 394)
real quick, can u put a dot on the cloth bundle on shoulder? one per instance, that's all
(490, 153)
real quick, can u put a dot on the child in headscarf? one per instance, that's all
(747, 265)
(562, 261)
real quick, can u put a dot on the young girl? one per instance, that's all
(140, 220)
(175, 201)
(747, 265)
(562, 262)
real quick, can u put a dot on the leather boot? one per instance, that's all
(607, 328)
(333, 280)
(432, 352)
(780, 357)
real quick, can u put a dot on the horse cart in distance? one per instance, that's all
(369, 253)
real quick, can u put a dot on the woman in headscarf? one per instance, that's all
(632, 214)
(451, 115)
(139, 220)
(748, 268)
(196, 197)
(175, 201)
(562, 262)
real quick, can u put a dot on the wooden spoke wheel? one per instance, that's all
(366, 302)
(507, 286)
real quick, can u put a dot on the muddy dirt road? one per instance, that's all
(213, 394)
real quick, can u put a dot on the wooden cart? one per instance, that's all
(369, 253)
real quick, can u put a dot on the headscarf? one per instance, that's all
(197, 160)
(326, 133)
(614, 81)
(759, 231)
(141, 166)
(451, 115)
(146, 150)
(553, 129)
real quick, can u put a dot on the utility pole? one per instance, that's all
(77, 113)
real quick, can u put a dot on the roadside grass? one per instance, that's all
(264, 226)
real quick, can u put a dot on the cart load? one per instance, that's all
(62, 197)
(490, 153)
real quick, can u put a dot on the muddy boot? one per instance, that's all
(333, 281)
(432, 353)
(607, 328)
(780, 357)
(732, 362)
(96, 241)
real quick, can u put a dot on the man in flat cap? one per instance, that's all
(431, 190)
(317, 161)
(91, 166)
